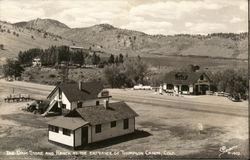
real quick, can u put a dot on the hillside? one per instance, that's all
(15, 39)
(107, 38)
(115, 40)
(47, 25)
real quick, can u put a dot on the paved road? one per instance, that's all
(148, 99)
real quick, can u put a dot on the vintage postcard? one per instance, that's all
(124, 79)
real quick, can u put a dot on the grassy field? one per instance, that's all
(203, 62)
(165, 124)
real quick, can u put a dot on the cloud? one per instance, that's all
(189, 24)
(205, 28)
(235, 20)
(171, 9)
(149, 26)
(149, 16)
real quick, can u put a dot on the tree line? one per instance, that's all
(52, 56)
(56, 54)
(233, 36)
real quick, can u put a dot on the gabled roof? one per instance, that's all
(71, 123)
(187, 77)
(89, 90)
(98, 114)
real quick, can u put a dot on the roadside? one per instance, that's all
(171, 122)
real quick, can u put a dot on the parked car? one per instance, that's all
(141, 87)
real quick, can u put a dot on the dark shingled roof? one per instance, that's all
(98, 114)
(71, 123)
(188, 77)
(90, 90)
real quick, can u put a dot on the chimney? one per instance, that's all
(80, 85)
(106, 104)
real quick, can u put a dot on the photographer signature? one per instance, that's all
(229, 151)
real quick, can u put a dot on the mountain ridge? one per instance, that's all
(110, 39)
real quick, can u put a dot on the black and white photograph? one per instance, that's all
(124, 79)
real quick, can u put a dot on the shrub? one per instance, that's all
(233, 81)
(52, 76)
(1, 46)
(127, 74)
(12, 68)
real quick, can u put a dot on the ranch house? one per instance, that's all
(68, 96)
(196, 83)
(88, 118)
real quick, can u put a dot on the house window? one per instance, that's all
(125, 124)
(79, 104)
(63, 105)
(66, 132)
(97, 103)
(202, 77)
(98, 128)
(53, 128)
(113, 124)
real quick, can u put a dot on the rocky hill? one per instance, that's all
(16, 38)
(115, 40)
(107, 38)
(48, 25)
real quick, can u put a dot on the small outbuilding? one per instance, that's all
(36, 62)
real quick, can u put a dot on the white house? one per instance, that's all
(68, 96)
(187, 82)
(36, 62)
(89, 121)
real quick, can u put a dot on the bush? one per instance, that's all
(12, 68)
(232, 81)
(52, 76)
(1, 46)
(127, 74)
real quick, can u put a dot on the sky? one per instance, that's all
(166, 17)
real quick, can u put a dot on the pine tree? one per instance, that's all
(111, 59)
(120, 58)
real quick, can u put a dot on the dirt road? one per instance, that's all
(209, 104)
(170, 123)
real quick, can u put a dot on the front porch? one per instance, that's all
(191, 89)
